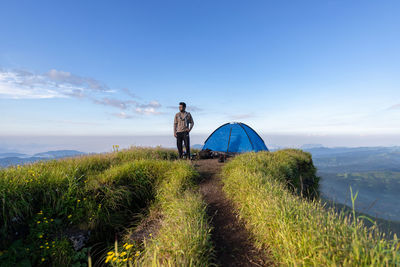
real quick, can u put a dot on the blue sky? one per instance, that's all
(121, 67)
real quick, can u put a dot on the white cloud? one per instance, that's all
(17, 85)
(129, 92)
(150, 108)
(397, 106)
(151, 104)
(78, 93)
(22, 84)
(64, 77)
(147, 111)
(115, 102)
(122, 115)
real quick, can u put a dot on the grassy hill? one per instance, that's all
(142, 207)
(295, 230)
(53, 212)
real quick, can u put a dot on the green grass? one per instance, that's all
(295, 231)
(183, 238)
(100, 193)
(105, 194)
(24, 190)
(276, 194)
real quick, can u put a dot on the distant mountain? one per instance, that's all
(372, 171)
(320, 151)
(10, 159)
(58, 154)
(11, 154)
(345, 159)
(197, 146)
(274, 147)
(308, 146)
(377, 191)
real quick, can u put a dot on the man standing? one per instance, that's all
(183, 124)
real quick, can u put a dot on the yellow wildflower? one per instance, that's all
(109, 258)
(128, 246)
(43, 259)
(69, 216)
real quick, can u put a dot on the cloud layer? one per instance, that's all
(22, 84)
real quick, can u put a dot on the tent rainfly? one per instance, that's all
(234, 137)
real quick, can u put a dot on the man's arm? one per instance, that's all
(175, 125)
(191, 122)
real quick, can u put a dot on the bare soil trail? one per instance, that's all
(231, 239)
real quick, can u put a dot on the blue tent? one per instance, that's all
(235, 137)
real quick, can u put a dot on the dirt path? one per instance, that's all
(231, 239)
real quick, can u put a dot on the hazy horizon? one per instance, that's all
(35, 144)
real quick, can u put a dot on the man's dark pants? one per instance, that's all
(183, 136)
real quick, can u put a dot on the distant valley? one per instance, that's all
(12, 158)
(373, 172)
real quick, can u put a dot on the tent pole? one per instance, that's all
(247, 135)
(229, 140)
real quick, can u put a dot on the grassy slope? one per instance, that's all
(24, 190)
(101, 193)
(184, 237)
(296, 231)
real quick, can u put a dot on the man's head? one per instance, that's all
(182, 106)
